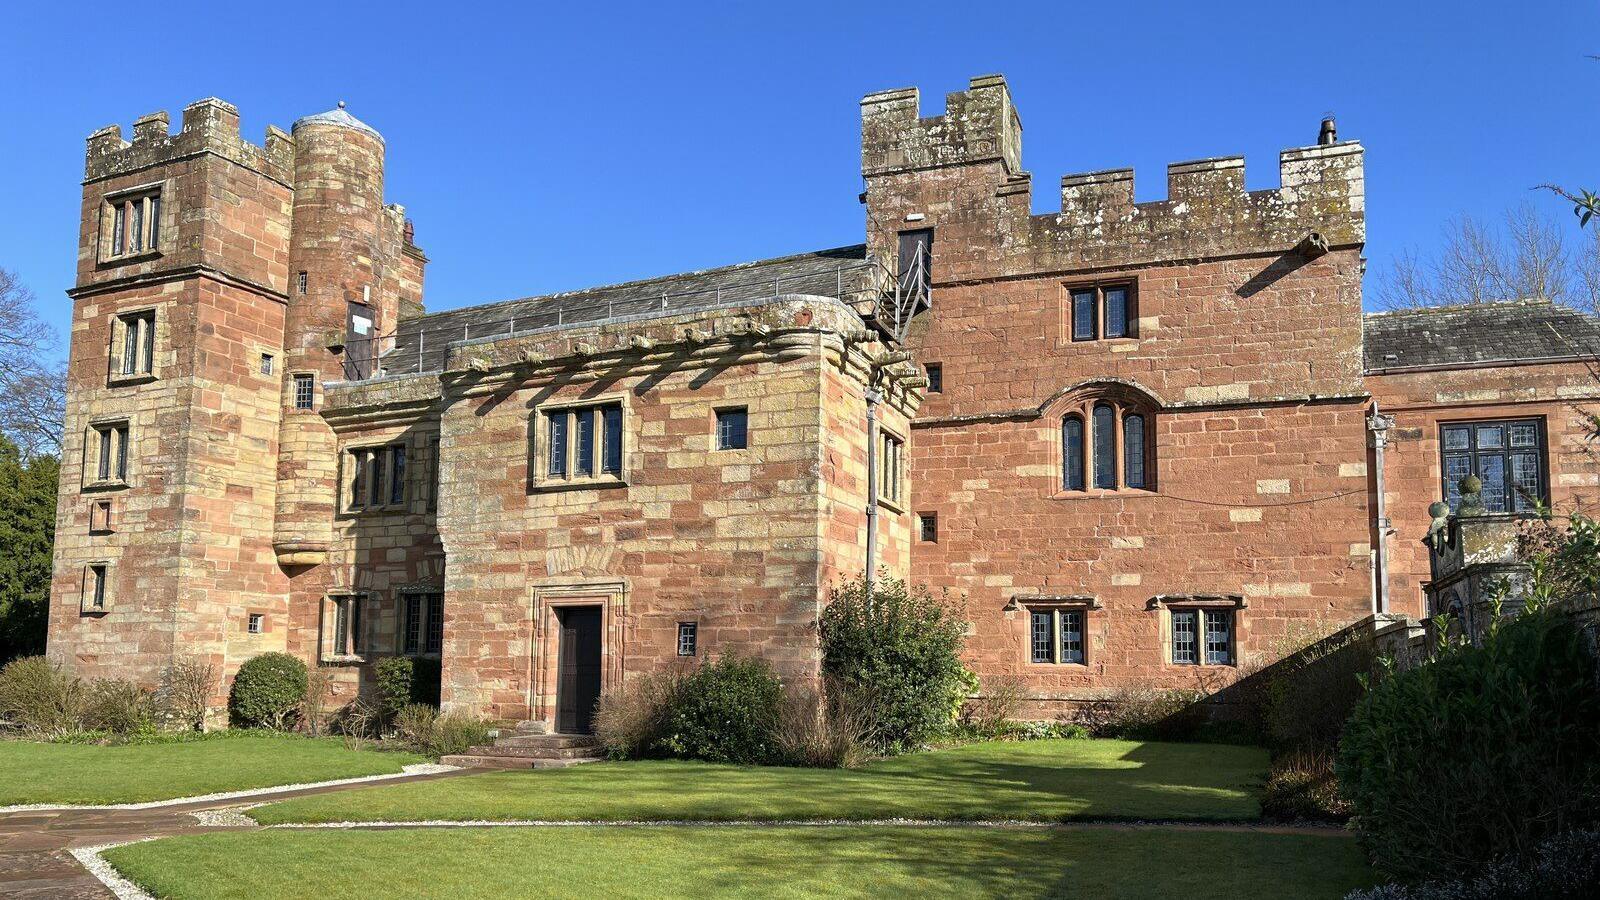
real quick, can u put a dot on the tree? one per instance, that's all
(27, 534)
(33, 388)
(1525, 258)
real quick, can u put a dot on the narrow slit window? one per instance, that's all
(1116, 306)
(95, 590)
(1105, 447)
(433, 473)
(558, 444)
(1083, 315)
(1133, 450)
(928, 525)
(891, 459)
(266, 363)
(935, 378)
(397, 479)
(611, 440)
(1072, 453)
(584, 443)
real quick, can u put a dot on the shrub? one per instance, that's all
(402, 680)
(1145, 714)
(898, 652)
(185, 694)
(1564, 867)
(1481, 753)
(725, 711)
(1301, 786)
(996, 707)
(630, 722)
(119, 707)
(41, 699)
(422, 728)
(822, 729)
(267, 691)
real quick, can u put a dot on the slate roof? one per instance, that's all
(818, 273)
(1511, 331)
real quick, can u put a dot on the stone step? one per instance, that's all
(553, 741)
(536, 752)
(476, 761)
(530, 726)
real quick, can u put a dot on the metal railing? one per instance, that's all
(892, 297)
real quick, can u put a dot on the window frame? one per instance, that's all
(425, 609)
(308, 380)
(1078, 472)
(255, 623)
(1203, 611)
(608, 448)
(691, 631)
(117, 435)
(934, 372)
(1096, 291)
(133, 226)
(1506, 452)
(927, 528)
(1055, 612)
(891, 463)
(135, 330)
(269, 364)
(95, 595)
(343, 636)
(369, 469)
(722, 438)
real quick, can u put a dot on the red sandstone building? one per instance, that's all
(1137, 438)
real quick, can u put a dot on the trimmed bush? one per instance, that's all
(1565, 867)
(726, 711)
(41, 699)
(267, 691)
(1482, 753)
(403, 680)
(630, 722)
(897, 653)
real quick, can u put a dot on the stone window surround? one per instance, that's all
(357, 623)
(92, 454)
(147, 325)
(611, 595)
(717, 413)
(688, 628)
(1165, 604)
(540, 481)
(1541, 449)
(159, 226)
(928, 527)
(1082, 406)
(382, 450)
(253, 614)
(100, 517)
(1032, 603)
(1130, 283)
(421, 593)
(97, 574)
(295, 380)
(889, 437)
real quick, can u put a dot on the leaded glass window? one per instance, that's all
(1071, 635)
(1116, 305)
(1043, 649)
(1083, 315)
(1507, 455)
(1072, 453)
(1056, 636)
(733, 428)
(1184, 638)
(1219, 637)
(1133, 450)
(1105, 447)
(582, 442)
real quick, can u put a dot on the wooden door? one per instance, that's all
(577, 668)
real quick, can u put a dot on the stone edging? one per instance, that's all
(90, 859)
(405, 771)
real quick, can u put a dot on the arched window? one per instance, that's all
(1072, 453)
(1105, 447)
(1133, 450)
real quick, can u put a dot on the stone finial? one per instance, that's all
(1471, 496)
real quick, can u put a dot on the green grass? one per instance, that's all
(730, 861)
(135, 773)
(1036, 780)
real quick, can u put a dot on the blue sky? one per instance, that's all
(548, 149)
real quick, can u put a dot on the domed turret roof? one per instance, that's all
(338, 116)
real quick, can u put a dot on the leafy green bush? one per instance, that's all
(1565, 867)
(120, 707)
(1301, 786)
(898, 652)
(1481, 753)
(41, 699)
(630, 722)
(267, 691)
(726, 711)
(403, 680)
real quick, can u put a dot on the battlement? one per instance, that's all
(979, 124)
(208, 126)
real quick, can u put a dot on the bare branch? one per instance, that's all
(32, 391)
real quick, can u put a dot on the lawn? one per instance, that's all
(135, 773)
(733, 861)
(1036, 780)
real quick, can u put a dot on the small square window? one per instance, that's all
(935, 378)
(100, 517)
(733, 428)
(928, 527)
(266, 363)
(688, 638)
(304, 391)
(256, 623)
